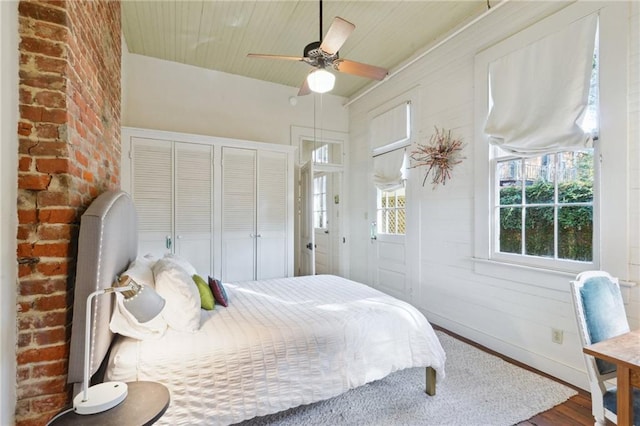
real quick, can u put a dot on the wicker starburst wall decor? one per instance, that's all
(440, 155)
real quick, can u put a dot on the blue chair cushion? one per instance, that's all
(604, 313)
(611, 404)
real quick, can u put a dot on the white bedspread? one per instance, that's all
(280, 343)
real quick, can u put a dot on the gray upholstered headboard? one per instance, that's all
(108, 242)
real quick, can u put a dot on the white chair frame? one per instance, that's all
(597, 381)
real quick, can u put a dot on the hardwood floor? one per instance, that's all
(576, 411)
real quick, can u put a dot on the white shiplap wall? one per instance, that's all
(515, 311)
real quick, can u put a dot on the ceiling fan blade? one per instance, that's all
(338, 33)
(288, 58)
(304, 89)
(360, 69)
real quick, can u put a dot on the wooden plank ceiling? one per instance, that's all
(218, 34)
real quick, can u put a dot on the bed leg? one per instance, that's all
(431, 381)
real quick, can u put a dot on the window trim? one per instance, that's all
(611, 213)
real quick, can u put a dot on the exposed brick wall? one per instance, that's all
(69, 152)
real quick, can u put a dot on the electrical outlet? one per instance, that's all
(557, 335)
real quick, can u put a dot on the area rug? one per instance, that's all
(479, 389)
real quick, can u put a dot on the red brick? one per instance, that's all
(24, 232)
(24, 145)
(50, 353)
(25, 250)
(49, 337)
(60, 215)
(33, 181)
(52, 232)
(52, 198)
(42, 286)
(81, 159)
(50, 99)
(54, 115)
(52, 165)
(24, 164)
(42, 46)
(27, 216)
(42, 12)
(52, 268)
(23, 373)
(49, 402)
(51, 32)
(51, 250)
(24, 270)
(53, 148)
(49, 64)
(49, 386)
(42, 320)
(43, 81)
(24, 129)
(48, 131)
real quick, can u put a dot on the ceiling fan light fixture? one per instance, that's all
(321, 81)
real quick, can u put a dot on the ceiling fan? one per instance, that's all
(324, 54)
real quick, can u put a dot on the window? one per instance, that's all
(544, 206)
(321, 154)
(320, 202)
(391, 212)
(505, 181)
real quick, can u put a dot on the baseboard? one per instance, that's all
(562, 372)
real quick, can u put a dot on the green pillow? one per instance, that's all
(207, 301)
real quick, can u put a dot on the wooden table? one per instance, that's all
(624, 352)
(146, 402)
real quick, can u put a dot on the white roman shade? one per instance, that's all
(539, 94)
(388, 170)
(391, 129)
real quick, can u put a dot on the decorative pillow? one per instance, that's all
(123, 322)
(182, 309)
(218, 292)
(207, 302)
(182, 262)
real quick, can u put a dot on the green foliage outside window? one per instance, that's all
(575, 222)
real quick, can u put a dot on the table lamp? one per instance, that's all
(144, 304)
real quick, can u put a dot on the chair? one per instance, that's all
(600, 315)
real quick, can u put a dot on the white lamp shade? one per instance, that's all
(321, 81)
(145, 305)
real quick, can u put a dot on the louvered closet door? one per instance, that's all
(152, 187)
(272, 215)
(194, 204)
(238, 214)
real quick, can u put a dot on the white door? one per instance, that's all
(194, 205)
(152, 192)
(307, 238)
(271, 238)
(238, 214)
(387, 263)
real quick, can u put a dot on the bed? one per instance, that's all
(278, 344)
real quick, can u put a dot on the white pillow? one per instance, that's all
(123, 322)
(182, 262)
(175, 285)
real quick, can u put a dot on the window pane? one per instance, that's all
(575, 233)
(539, 176)
(575, 177)
(539, 233)
(509, 174)
(401, 221)
(511, 230)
